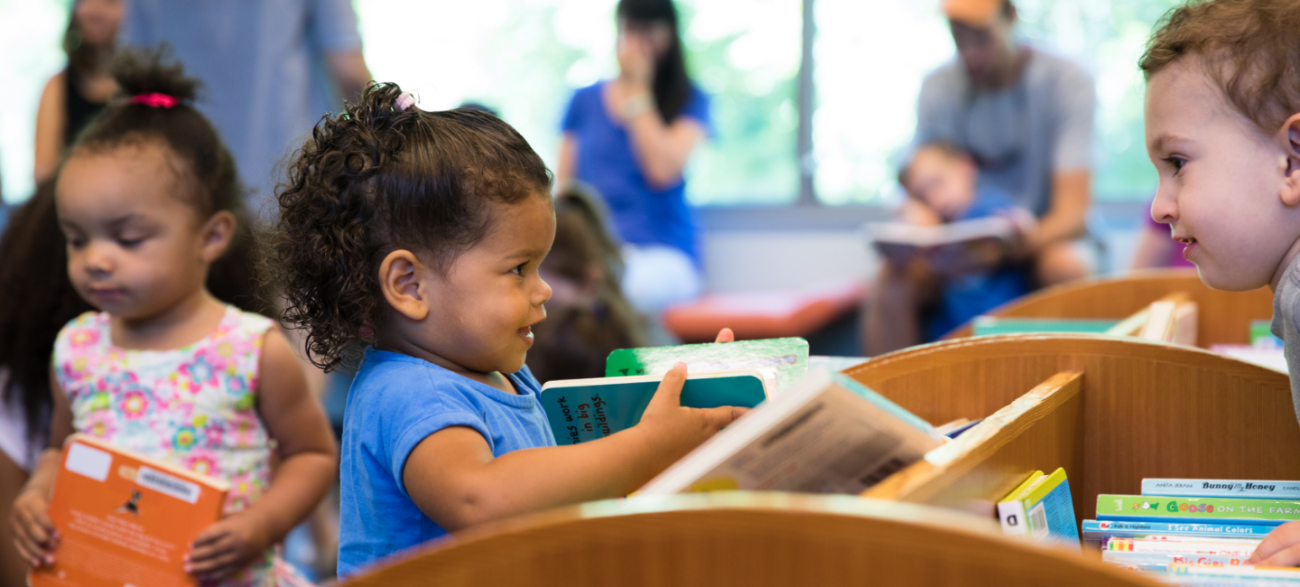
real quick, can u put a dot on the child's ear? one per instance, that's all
(217, 233)
(399, 279)
(1290, 142)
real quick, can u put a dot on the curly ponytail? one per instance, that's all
(376, 179)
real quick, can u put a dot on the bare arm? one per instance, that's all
(454, 479)
(1067, 217)
(308, 456)
(564, 167)
(33, 532)
(348, 68)
(663, 149)
(51, 125)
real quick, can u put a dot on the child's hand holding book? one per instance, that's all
(1280, 549)
(34, 533)
(227, 546)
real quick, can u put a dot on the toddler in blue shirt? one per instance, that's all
(420, 234)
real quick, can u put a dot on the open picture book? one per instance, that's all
(825, 434)
(963, 245)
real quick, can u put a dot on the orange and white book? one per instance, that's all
(125, 519)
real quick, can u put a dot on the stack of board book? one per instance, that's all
(1195, 531)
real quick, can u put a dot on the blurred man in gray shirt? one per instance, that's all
(1025, 117)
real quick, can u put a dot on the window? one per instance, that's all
(525, 57)
(872, 56)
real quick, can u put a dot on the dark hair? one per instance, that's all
(204, 162)
(578, 335)
(1249, 49)
(373, 180)
(671, 84)
(36, 300)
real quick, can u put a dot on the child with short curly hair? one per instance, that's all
(420, 234)
(1223, 130)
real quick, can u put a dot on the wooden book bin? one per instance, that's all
(752, 539)
(1224, 316)
(1110, 410)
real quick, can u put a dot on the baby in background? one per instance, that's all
(1223, 131)
(419, 235)
(924, 300)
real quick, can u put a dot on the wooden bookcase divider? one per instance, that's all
(1224, 316)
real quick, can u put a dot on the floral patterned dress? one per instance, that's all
(194, 407)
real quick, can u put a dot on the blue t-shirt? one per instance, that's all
(397, 401)
(642, 214)
(964, 297)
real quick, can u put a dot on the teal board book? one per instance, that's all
(580, 410)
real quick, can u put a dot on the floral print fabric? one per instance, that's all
(194, 406)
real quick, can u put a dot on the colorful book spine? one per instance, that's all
(1011, 510)
(1099, 528)
(1240, 549)
(1285, 490)
(1050, 510)
(1197, 508)
(1160, 561)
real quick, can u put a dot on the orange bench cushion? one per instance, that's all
(763, 314)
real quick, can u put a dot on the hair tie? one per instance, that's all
(404, 101)
(154, 100)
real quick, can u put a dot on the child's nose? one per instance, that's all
(98, 260)
(543, 294)
(1164, 208)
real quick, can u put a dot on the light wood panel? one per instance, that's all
(1224, 317)
(750, 539)
(1148, 409)
(1039, 431)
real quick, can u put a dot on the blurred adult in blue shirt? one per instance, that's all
(630, 138)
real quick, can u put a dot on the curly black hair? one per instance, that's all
(375, 179)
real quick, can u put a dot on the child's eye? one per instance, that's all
(1175, 162)
(519, 270)
(129, 243)
(76, 243)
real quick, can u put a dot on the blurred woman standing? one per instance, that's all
(630, 138)
(76, 94)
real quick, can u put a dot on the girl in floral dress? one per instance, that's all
(147, 199)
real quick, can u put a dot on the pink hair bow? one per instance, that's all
(155, 100)
(404, 101)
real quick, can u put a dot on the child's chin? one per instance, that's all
(1215, 279)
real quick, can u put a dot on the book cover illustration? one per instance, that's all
(1259, 511)
(580, 410)
(125, 519)
(781, 361)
